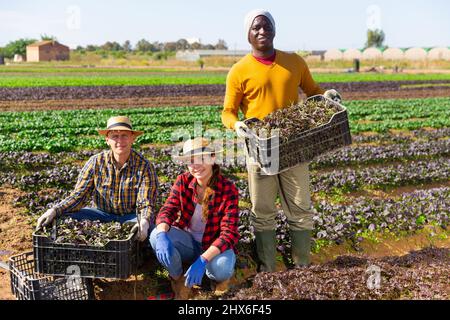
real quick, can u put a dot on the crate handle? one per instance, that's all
(322, 97)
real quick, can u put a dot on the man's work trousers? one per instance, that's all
(293, 188)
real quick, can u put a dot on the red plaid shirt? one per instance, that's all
(221, 229)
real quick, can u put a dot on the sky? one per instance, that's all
(300, 25)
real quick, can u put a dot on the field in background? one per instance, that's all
(225, 62)
(52, 75)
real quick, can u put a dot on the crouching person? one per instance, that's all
(198, 224)
(121, 182)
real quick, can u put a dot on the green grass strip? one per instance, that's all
(118, 78)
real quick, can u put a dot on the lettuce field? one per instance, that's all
(375, 201)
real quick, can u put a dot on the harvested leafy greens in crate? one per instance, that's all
(290, 136)
(97, 250)
(26, 284)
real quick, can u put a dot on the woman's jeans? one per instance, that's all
(187, 250)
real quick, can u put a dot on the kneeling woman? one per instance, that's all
(198, 223)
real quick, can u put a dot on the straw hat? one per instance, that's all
(119, 123)
(196, 147)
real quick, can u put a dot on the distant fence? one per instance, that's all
(193, 55)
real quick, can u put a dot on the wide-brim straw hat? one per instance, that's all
(119, 123)
(197, 147)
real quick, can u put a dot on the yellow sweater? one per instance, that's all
(259, 89)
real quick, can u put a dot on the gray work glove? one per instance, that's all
(333, 95)
(46, 218)
(242, 130)
(141, 229)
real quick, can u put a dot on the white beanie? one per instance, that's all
(252, 15)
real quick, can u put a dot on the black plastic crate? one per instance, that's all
(117, 259)
(26, 284)
(274, 157)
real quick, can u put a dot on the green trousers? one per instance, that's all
(292, 186)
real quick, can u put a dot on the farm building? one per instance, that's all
(415, 54)
(317, 54)
(372, 53)
(439, 54)
(393, 54)
(333, 54)
(351, 54)
(314, 55)
(47, 51)
(193, 55)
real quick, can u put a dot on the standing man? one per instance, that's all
(262, 82)
(120, 181)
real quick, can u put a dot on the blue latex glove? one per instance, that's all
(164, 248)
(195, 272)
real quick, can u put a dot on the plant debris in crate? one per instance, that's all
(296, 118)
(422, 274)
(87, 232)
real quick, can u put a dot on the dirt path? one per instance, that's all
(38, 105)
(388, 245)
(412, 94)
(195, 100)
(15, 235)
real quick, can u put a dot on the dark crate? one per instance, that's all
(274, 157)
(26, 284)
(115, 260)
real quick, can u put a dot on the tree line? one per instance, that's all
(142, 46)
